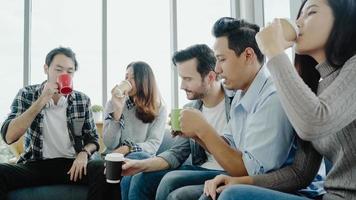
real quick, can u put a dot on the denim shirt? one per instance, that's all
(183, 147)
(259, 127)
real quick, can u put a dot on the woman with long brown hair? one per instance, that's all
(135, 120)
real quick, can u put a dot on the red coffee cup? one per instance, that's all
(65, 84)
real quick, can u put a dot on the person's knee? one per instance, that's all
(179, 194)
(186, 192)
(96, 168)
(175, 195)
(236, 192)
(170, 180)
(140, 183)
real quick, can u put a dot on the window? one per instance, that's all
(195, 25)
(139, 31)
(11, 53)
(65, 23)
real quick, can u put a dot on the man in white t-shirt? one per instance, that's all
(158, 175)
(59, 135)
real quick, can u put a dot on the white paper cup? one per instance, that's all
(122, 87)
(290, 30)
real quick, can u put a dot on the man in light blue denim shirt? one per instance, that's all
(259, 128)
(259, 136)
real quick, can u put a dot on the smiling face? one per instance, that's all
(315, 23)
(60, 64)
(192, 83)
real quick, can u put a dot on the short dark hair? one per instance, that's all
(240, 35)
(203, 54)
(61, 50)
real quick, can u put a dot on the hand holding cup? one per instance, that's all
(122, 89)
(113, 163)
(276, 37)
(65, 84)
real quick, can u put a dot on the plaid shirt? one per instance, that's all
(80, 123)
(132, 146)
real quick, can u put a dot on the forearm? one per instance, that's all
(155, 164)
(117, 114)
(112, 134)
(20, 124)
(302, 171)
(230, 159)
(315, 116)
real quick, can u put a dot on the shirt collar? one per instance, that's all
(253, 92)
(62, 102)
(130, 103)
(324, 69)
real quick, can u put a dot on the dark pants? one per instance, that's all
(54, 171)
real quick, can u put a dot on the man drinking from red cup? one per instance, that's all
(60, 134)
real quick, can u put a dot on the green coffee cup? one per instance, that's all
(175, 123)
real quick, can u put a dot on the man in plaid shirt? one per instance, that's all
(60, 135)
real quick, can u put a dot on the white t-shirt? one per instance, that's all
(216, 116)
(56, 141)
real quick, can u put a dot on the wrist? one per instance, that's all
(116, 115)
(203, 132)
(87, 152)
(127, 149)
(272, 52)
(248, 180)
(41, 102)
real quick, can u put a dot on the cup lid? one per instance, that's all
(114, 157)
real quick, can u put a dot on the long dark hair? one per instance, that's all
(340, 46)
(147, 98)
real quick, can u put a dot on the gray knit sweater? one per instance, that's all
(326, 120)
(148, 136)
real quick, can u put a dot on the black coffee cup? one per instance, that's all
(113, 162)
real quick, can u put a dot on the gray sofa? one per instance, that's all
(67, 192)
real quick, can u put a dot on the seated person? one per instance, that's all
(60, 135)
(320, 101)
(195, 66)
(258, 137)
(135, 118)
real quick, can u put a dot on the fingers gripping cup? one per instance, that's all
(175, 123)
(289, 29)
(122, 88)
(65, 84)
(113, 163)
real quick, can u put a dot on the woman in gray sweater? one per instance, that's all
(135, 117)
(319, 96)
(135, 122)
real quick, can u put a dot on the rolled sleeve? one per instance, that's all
(252, 165)
(178, 153)
(228, 136)
(90, 134)
(19, 105)
(267, 144)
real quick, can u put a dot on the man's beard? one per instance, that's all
(201, 93)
